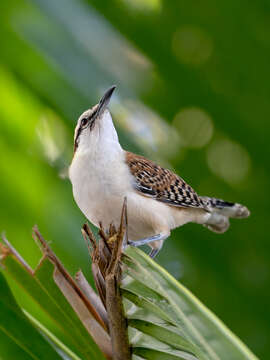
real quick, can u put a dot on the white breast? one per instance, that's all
(100, 184)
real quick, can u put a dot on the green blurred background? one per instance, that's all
(193, 87)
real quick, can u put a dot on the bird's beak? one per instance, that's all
(104, 102)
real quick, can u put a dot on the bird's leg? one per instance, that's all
(157, 237)
(155, 242)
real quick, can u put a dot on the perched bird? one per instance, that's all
(103, 174)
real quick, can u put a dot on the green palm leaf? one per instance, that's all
(45, 287)
(18, 337)
(175, 323)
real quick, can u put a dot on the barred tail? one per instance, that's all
(221, 211)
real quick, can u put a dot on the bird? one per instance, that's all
(103, 174)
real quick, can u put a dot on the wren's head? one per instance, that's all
(95, 126)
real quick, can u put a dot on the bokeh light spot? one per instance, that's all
(192, 45)
(146, 5)
(228, 160)
(195, 127)
(52, 136)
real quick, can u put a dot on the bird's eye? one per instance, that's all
(84, 122)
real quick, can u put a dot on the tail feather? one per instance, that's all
(221, 211)
(229, 209)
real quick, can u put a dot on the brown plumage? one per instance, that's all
(162, 184)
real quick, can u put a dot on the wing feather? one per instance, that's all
(162, 184)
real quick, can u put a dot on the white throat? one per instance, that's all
(101, 141)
